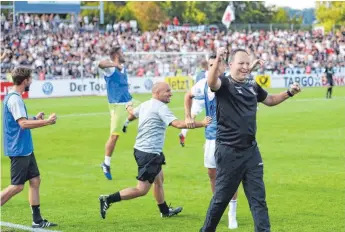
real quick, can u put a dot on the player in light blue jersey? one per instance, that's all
(201, 90)
(115, 76)
(198, 102)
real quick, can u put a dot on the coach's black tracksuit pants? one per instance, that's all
(233, 166)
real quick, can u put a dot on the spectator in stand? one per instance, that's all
(68, 49)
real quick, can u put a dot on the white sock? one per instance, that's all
(232, 208)
(107, 160)
(126, 123)
(184, 132)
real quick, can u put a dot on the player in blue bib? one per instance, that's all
(18, 145)
(115, 76)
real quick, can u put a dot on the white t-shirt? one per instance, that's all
(154, 117)
(198, 90)
(15, 105)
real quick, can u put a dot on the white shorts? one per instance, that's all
(209, 159)
(197, 107)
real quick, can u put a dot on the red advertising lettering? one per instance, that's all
(6, 87)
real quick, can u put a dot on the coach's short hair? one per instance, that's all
(212, 56)
(20, 73)
(114, 51)
(233, 53)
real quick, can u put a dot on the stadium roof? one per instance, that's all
(43, 7)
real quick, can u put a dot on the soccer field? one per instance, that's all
(302, 142)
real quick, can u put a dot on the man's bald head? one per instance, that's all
(158, 86)
(161, 91)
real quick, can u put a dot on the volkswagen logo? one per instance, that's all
(148, 84)
(47, 88)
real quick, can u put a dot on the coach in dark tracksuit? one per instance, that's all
(329, 71)
(237, 154)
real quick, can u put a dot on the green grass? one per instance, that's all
(301, 141)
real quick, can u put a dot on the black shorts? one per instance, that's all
(330, 81)
(149, 165)
(23, 168)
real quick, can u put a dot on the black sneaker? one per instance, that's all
(172, 212)
(103, 205)
(182, 138)
(44, 223)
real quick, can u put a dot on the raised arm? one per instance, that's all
(212, 78)
(255, 63)
(106, 64)
(4, 55)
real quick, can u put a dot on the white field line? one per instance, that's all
(27, 228)
(181, 108)
(99, 113)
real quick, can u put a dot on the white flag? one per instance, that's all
(229, 15)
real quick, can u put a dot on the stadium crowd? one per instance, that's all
(58, 49)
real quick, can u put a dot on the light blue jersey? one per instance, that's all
(211, 110)
(201, 75)
(117, 85)
(201, 90)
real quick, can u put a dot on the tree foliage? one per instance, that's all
(111, 11)
(330, 13)
(192, 14)
(213, 11)
(281, 15)
(253, 12)
(150, 14)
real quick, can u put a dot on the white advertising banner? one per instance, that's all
(299, 75)
(338, 79)
(305, 80)
(62, 88)
(85, 87)
(142, 84)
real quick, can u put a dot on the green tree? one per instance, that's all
(112, 11)
(148, 14)
(192, 14)
(280, 16)
(330, 13)
(253, 12)
(173, 9)
(6, 12)
(213, 11)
